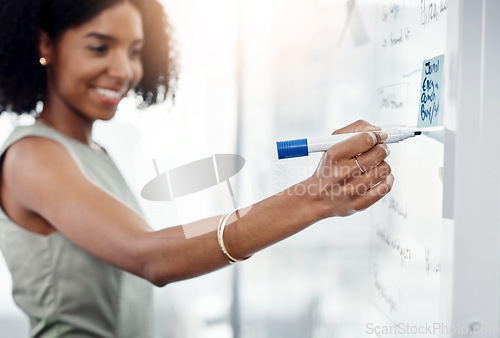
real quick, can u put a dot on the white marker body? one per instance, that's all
(322, 143)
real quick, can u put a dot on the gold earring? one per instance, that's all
(43, 61)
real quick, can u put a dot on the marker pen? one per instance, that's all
(304, 146)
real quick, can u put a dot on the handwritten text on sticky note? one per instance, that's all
(431, 86)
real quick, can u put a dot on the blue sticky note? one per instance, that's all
(430, 112)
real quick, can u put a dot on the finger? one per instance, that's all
(356, 127)
(375, 194)
(355, 145)
(360, 184)
(370, 159)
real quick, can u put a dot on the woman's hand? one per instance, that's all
(352, 174)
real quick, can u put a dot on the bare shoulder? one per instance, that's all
(35, 167)
(35, 155)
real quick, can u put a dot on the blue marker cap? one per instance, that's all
(292, 148)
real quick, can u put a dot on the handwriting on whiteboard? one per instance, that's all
(391, 12)
(389, 100)
(431, 10)
(392, 102)
(388, 296)
(396, 37)
(431, 262)
(404, 251)
(395, 34)
(397, 207)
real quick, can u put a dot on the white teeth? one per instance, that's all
(111, 94)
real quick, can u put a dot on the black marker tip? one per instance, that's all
(418, 132)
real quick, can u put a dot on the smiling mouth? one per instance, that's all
(110, 94)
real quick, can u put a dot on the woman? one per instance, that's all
(81, 256)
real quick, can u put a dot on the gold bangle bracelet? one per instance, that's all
(220, 237)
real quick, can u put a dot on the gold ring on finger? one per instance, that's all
(357, 163)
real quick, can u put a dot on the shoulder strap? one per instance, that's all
(36, 129)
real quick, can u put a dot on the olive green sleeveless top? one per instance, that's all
(65, 291)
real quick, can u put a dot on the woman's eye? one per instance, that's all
(135, 52)
(99, 49)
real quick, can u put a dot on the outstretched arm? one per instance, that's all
(103, 226)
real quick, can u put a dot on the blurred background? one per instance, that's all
(252, 73)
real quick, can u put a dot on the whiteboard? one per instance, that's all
(406, 232)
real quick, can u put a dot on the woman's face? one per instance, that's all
(93, 66)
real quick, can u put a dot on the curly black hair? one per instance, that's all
(23, 81)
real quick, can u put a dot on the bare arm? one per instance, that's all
(108, 229)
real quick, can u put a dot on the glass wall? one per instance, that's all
(299, 82)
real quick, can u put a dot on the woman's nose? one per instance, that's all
(121, 66)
